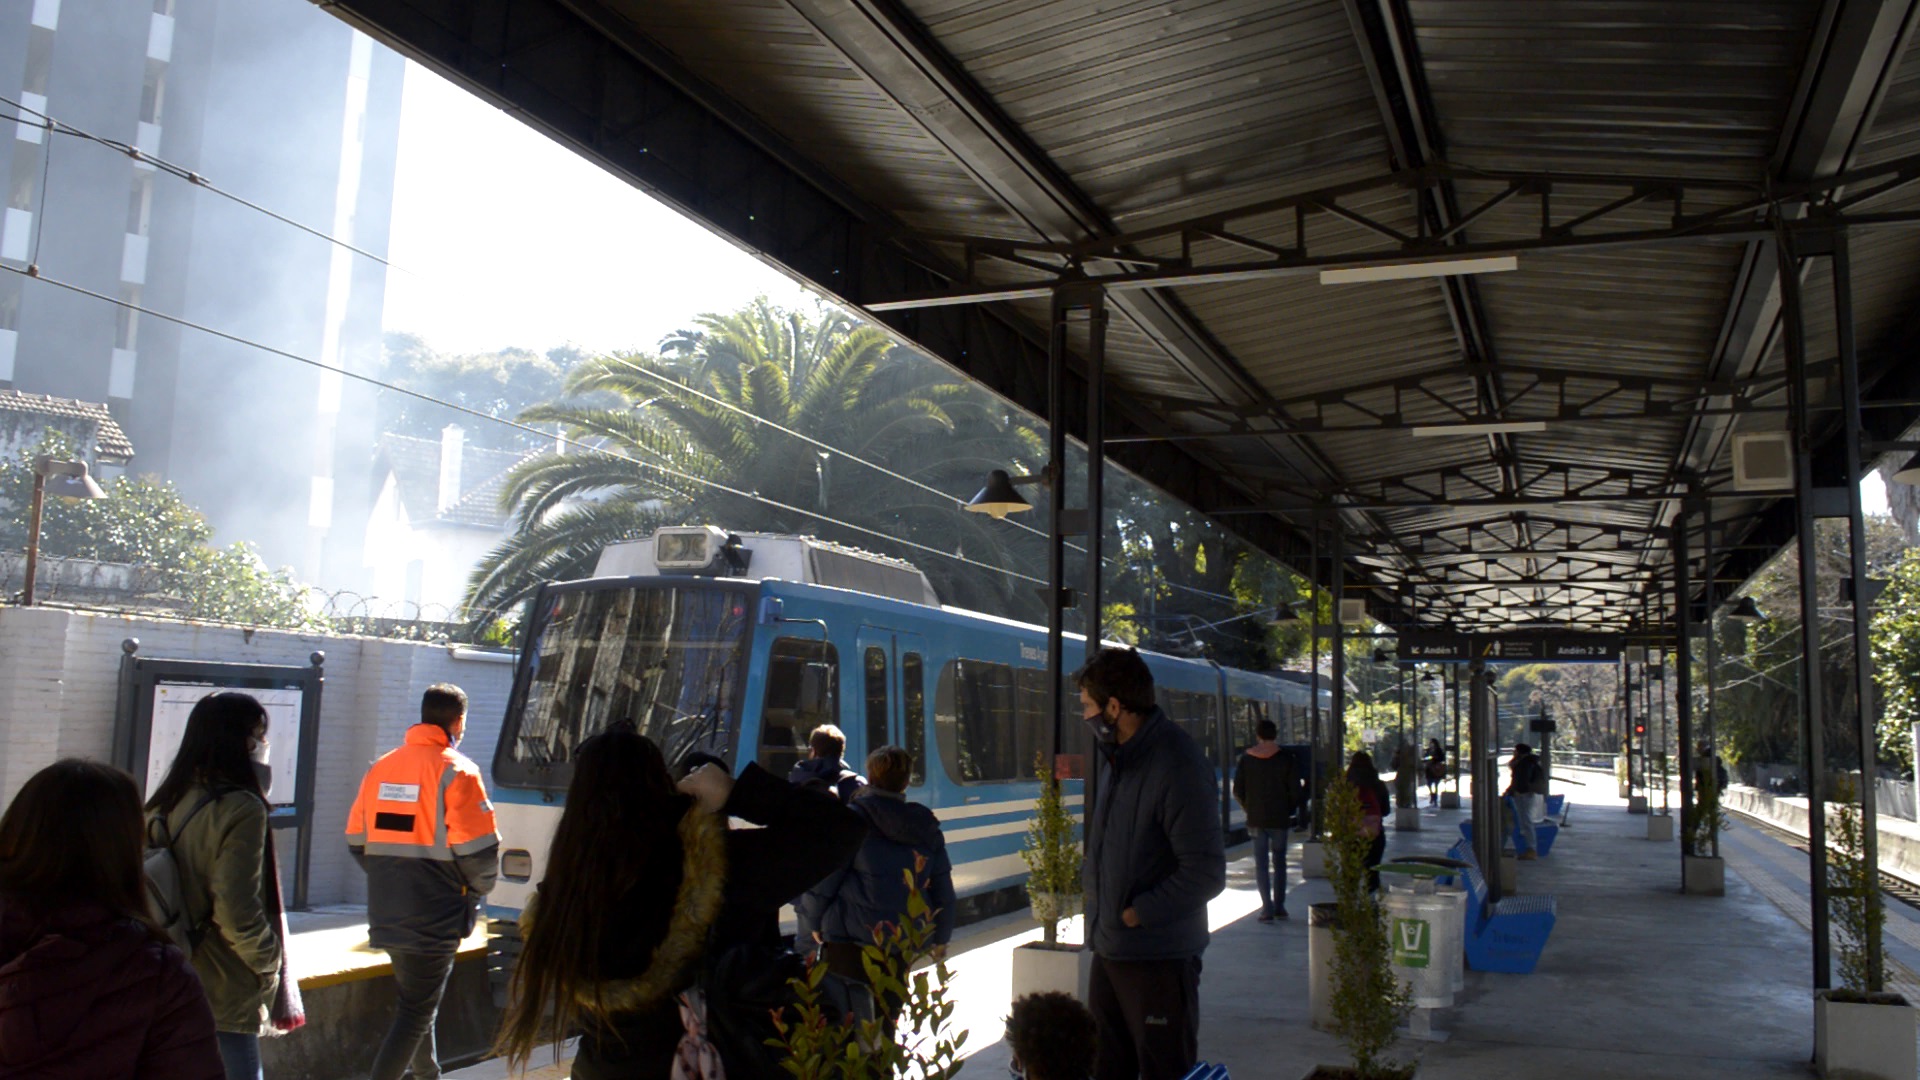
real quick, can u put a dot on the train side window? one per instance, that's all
(876, 664)
(973, 716)
(803, 692)
(913, 713)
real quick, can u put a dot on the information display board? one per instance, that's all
(174, 701)
(1447, 647)
(158, 694)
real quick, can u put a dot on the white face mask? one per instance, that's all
(258, 751)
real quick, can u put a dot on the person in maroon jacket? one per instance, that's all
(89, 988)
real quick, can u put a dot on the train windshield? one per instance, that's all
(669, 657)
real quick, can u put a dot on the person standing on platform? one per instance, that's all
(1523, 778)
(825, 766)
(1374, 806)
(1154, 858)
(211, 809)
(1267, 787)
(1436, 770)
(845, 911)
(423, 830)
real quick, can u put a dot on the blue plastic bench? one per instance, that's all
(1204, 1071)
(1510, 937)
(1556, 805)
(1544, 834)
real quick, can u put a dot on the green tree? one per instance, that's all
(1896, 659)
(143, 522)
(498, 384)
(695, 433)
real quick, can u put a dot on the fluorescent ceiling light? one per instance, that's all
(1491, 264)
(1501, 427)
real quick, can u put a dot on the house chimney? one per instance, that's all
(453, 443)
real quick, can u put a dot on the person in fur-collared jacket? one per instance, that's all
(641, 878)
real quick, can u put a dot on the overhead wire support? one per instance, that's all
(664, 470)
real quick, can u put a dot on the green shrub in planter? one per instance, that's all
(1052, 856)
(1368, 1001)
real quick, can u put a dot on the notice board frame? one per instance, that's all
(140, 676)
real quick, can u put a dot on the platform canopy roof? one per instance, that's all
(944, 164)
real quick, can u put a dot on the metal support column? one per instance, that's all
(1335, 748)
(1457, 673)
(1708, 736)
(1683, 674)
(1096, 464)
(1487, 836)
(1313, 641)
(1812, 725)
(1857, 569)
(1057, 547)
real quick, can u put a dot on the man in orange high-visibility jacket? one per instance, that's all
(422, 828)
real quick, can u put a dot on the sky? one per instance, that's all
(505, 238)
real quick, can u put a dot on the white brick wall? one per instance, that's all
(59, 684)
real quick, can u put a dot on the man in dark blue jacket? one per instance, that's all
(824, 767)
(1154, 859)
(845, 909)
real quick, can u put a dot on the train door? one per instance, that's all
(894, 696)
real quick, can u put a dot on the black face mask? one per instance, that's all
(1103, 732)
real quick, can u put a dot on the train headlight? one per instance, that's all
(516, 865)
(687, 548)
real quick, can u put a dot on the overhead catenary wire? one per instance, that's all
(61, 127)
(527, 428)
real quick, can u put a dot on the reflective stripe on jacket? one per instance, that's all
(423, 829)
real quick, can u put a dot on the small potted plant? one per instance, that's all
(1859, 1029)
(1702, 873)
(1368, 1000)
(1052, 855)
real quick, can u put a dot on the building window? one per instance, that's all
(39, 65)
(9, 302)
(126, 330)
(153, 93)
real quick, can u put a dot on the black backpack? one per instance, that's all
(745, 985)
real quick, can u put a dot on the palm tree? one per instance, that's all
(705, 432)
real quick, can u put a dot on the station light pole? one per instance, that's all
(66, 479)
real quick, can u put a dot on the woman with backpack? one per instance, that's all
(1374, 805)
(644, 884)
(212, 810)
(88, 986)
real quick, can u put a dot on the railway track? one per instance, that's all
(1896, 887)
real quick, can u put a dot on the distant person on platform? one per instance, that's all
(1436, 770)
(1523, 777)
(1154, 858)
(423, 830)
(824, 766)
(1267, 786)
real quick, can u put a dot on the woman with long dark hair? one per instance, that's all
(213, 807)
(88, 986)
(642, 878)
(1374, 806)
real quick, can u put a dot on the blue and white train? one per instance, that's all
(741, 644)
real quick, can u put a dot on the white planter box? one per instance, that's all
(1449, 800)
(1406, 819)
(1313, 859)
(1660, 827)
(1636, 804)
(1065, 968)
(1703, 875)
(1857, 1041)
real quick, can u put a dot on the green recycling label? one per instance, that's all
(1412, 943)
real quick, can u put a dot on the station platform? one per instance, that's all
(1637, 979)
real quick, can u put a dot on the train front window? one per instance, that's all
(669, 659)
